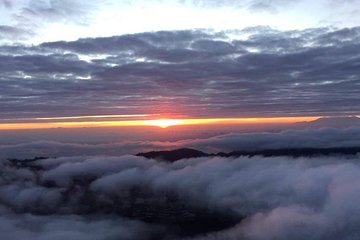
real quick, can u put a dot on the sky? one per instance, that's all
(101, 62)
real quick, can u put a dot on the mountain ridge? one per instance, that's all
(184, 153)
(337, 122)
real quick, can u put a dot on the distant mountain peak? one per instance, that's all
(341, 121)
(174, 155)
(184, 153)
(341, 118)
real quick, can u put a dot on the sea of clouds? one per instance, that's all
(89, 197)
(313, 138)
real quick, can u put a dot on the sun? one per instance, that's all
(164, 123)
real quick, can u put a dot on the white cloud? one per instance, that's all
(280, 198)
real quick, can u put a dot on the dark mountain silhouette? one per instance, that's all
(338, 122)
(295, 152)
(174, 155)
(183, 153)
(177, 154)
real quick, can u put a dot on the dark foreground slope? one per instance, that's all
(174, 155)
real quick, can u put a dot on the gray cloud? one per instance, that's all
(202, 73)
(320, 138)
(6, 3)
(311, 138)
(40, 16)
(26, 18)
(53, 10)
(58, 149)
(14, 33)
(35, 227)
(252, 4)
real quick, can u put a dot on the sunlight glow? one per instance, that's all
(162, 123)
(95, 116)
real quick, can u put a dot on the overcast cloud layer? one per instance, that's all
(252, 72)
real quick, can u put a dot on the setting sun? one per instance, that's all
(164, 123)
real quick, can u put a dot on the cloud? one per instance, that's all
(63, 10)
(52, 20)
(6, 3)
(60, 149)
(262, 7)
(310, 138)
(271, 198)
(32, 227)
(251, 72)
(29, 18)
(10, 32)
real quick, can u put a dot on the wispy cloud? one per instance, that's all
(51, 20)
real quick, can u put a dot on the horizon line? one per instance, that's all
(159, 122)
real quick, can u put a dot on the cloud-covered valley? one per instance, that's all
(132, 197)
(99, 191)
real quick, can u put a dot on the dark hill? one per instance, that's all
(182, 153)
(174, 155)
(295, 152)
(337, 122)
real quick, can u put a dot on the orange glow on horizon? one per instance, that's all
(162, 123)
